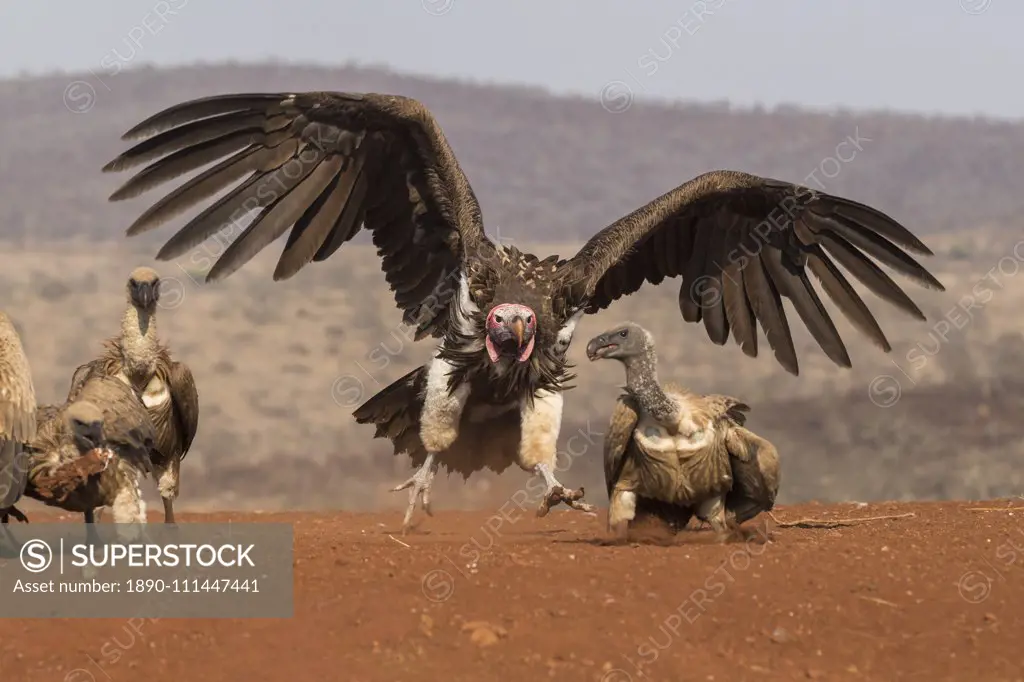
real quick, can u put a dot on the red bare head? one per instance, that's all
(510, 331)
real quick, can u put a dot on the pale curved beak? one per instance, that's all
(519, 329)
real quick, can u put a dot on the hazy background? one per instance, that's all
(565, 116)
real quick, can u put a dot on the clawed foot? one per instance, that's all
(13, 512)
(419, 484)
(560, 493)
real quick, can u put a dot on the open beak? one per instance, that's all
(599, 348)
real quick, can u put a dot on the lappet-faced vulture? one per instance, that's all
(321, 165)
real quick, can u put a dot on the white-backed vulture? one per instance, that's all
(325, 164)
(17, 419)
(166, 387)
(670, 453)
(94, 452)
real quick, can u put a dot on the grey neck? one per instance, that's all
(642, 384)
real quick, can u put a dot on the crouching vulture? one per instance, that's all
(670, 453)
(138, 358)
(17, 419)
(324, 164)
(93, 453)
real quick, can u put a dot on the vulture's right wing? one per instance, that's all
(325, 163)
(618, 438)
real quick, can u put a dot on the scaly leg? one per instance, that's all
(92, 538)
(420, 484)
(713, 511)
(439, 428)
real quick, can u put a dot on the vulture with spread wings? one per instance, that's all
(321, 165)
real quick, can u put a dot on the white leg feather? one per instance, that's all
(538, 449)
(439, 428)
(621, 510)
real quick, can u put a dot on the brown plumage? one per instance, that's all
(320, 165)
(166, 387)
(670, 453)
(17, 418)
(94, 452)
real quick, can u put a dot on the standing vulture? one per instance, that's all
(168, 391)
(17, 419)
(325, 164)
(93, 453)
(669, 453)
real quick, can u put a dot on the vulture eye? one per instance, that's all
(497, 318)
(529, 319)
(624, 333)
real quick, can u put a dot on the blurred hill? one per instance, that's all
(543, 167)
(936, 418)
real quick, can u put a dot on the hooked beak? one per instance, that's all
(599, 348)
(512, 340)
(147, 294)
(519, 328)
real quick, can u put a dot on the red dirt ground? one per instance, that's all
(936, 596)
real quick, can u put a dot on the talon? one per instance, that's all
(570, 497)
(13, 512)
(403, 486)
(419, 485)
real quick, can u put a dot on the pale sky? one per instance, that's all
(943, 56)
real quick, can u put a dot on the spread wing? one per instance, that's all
(186, 403)
(322, 164)
(618, 439)
(17, 392)
(740, 243)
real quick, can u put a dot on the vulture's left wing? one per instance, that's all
(186, 403)
(740, 243)
(618, 439)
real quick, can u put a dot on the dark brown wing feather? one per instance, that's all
(618, 438)
(127, 427)
(321, 164)
(185, 398)
(743, 243)
(82, 374)
(755, 472)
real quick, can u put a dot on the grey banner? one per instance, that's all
(194, 570)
